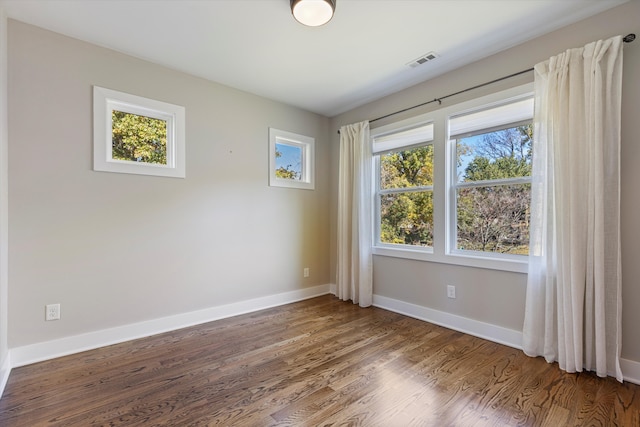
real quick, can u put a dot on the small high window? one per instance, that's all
(291, 162)
(137, 138)
(137, 135)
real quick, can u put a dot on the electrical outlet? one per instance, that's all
(52, 312)
(305, 272)
(451, 291)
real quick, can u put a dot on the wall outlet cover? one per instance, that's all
(52, 312)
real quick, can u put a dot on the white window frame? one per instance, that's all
(307, 145)
(444, 192)
(519, 118)
(105, 101)
(389, 139)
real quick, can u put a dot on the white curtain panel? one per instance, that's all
(573, 300)
(354, 264)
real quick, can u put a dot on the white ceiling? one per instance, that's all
(257, 46)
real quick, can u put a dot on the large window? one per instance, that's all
(454, 185)
(404, 196)
(492, 181)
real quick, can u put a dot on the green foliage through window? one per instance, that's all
(288, 161)
(406, 217)
(138, 138)
(494, 216)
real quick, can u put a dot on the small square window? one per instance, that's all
(137, 135)
(290, 160)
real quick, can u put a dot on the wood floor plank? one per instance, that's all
(319, 362)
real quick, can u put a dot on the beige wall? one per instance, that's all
(116, 249)
(491, 296)
(4, 347)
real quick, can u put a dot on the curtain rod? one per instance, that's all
(439, 100)
(627, 39)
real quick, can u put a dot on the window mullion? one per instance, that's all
(419, 221)
(494, 182)
(406, 190)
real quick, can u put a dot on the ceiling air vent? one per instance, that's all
(424, 58)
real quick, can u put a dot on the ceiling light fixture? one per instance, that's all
(313, 13)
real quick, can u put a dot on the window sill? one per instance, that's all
(465, 260)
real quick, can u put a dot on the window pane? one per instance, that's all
(408, 168)
(138, 138)
(499, 154)
(494, 219)
(288, 161)
(407, 218)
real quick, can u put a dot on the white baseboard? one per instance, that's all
(476, 328)
(509, 337)
(630, 370)
(5, 370)
(38, 352)
(33, 353)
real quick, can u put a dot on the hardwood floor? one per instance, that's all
(320, 362)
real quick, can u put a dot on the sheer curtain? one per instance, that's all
(354, 263)
(573, 301)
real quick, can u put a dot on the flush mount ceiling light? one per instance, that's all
(313, 13)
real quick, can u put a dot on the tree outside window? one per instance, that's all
(288, 161)
(493, 191)
(138, 138)
(137, 135)
(454, 185)
(406, 197)
(291, 160)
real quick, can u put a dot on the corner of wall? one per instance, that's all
(5, 370)
(5, 366)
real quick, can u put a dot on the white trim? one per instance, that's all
(468, 260)
(5, 371)
(38, 352)
(48, 350)
(444, 219)
(477, 109)
(487, 331)
(483, 330)
(630, 370)
(105, 101)
(307, 164)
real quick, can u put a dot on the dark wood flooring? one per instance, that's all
(320, 362)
